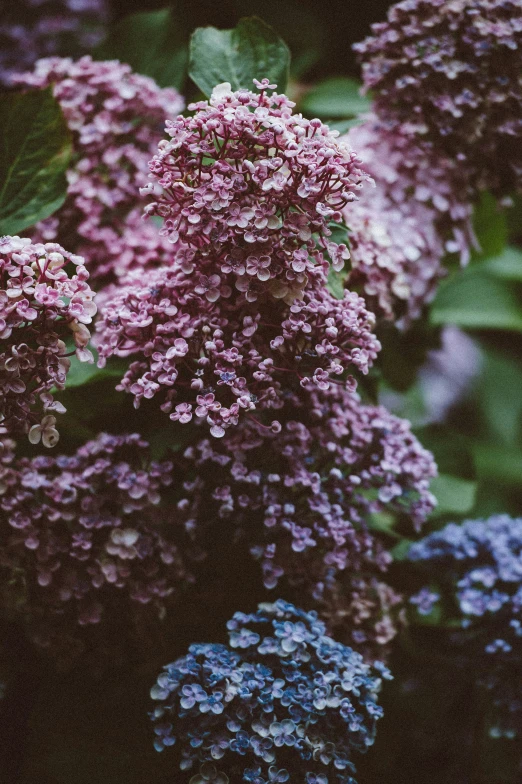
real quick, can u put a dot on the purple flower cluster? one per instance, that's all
(449, 72)
(84, 535)
(248, 189)
(281, 698)
(479, 564)
(219, 360)
(401, 230)
(242, 315)
(30, 29)
(301, 498)
(117, 119)
(362, 610)
(41, 305)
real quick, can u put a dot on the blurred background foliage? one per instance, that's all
(73, 728)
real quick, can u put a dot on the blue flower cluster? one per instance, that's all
(283, 697)
(482, 568)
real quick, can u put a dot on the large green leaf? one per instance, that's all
(454, 495)
(153, 43)
(335, 98)
(499, 464)
(336, 282)
(498, 395)
(252, 50)
(35, 148)
(475, 299)
(82, 373)
(490, 225)
(507, 265)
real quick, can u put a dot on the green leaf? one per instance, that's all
(490, 225)
(82, 373)
(152, 43)
(474, 299)
(499, 398)
(35, 149)
(336, 282)
(454, 495)
(499, 464)
(252, 50)
(409, 405)
(335, 98)
(508, 265)
(401, 550)
(343, 126)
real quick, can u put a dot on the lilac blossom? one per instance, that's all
(45, 299)
(449, 72)
(401, 230)
(250, 188)
(302, 499)
(116, 118)
(219, 358)
(83, 534)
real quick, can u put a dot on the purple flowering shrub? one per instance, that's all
(116, 118)
(44, 300)
(401, 230)
(281, 702)
(248, 188)
(302, 498)
(448, 72)
(242, 312)
(263, 287)
(479, 567)
(84, 539)
(221, 359)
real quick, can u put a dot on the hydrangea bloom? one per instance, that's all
(301, 498)
(449, 70)
(131, 244)
(41, 305)
(117, 119)
(250, 188)
(281, 700)
(362, 610)
(480, 565)
(81, 536)
(401, 229)
(30, 29)
(218, 360)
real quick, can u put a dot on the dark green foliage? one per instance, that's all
(35, 148)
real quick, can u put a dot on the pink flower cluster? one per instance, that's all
(117, 119)
(363, 611)
(401, 230)
(221, 359)
(449, 72)
(248, 189)
(85, 531)
(41, 306)
(302, 499)
(242, 315)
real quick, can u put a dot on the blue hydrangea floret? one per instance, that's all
(282, 702)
